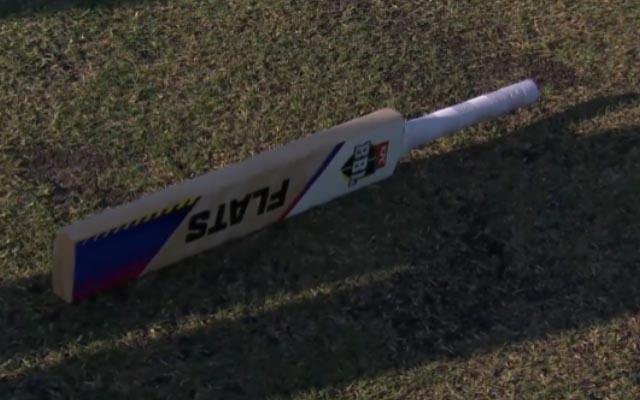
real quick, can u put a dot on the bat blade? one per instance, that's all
(126, 242)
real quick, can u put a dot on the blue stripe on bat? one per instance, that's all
(105, 261)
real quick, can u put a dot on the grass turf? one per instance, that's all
(500, 263)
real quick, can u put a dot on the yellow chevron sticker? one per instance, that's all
(184, 204)
(167, 210)
(149, 217)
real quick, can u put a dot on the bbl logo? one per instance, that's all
(366, 159)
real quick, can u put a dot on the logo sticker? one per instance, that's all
(365, 160)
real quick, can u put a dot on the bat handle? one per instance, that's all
(421, 130)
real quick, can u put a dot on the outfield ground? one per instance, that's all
(499, 263)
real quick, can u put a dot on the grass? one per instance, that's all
(500, 263)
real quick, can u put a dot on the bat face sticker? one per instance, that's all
(364, 161)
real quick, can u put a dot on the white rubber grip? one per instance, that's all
(424, 129)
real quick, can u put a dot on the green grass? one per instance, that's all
(500, 263)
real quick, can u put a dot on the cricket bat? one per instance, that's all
(134, 239)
